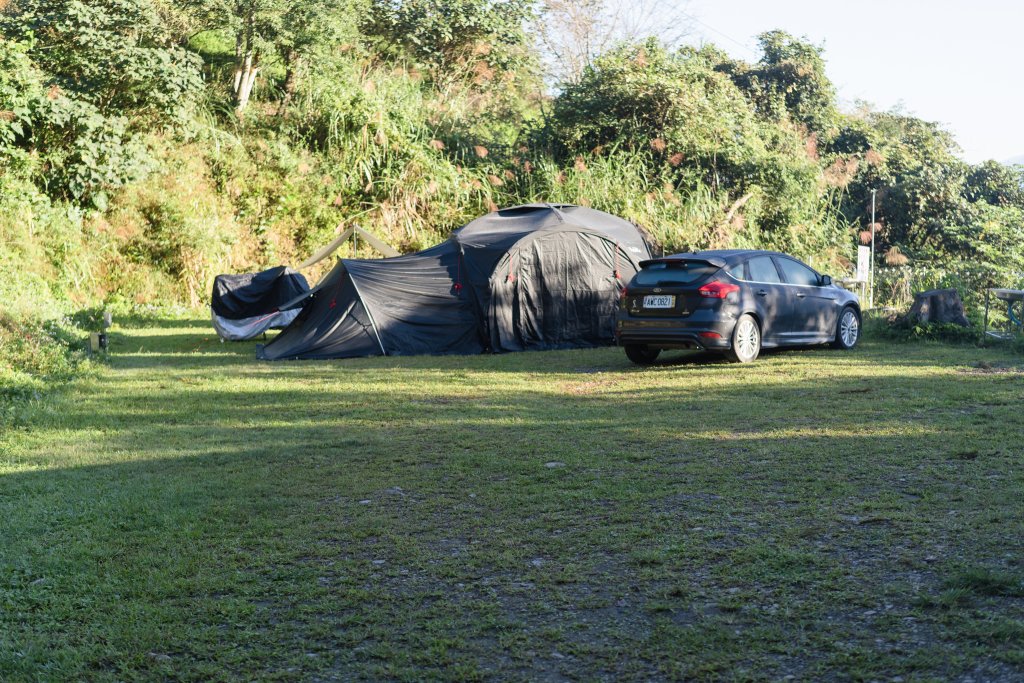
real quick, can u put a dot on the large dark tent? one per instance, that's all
(246, 305)
(539, 276)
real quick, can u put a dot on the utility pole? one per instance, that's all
(871, 277)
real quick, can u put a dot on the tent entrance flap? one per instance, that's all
(557, 290)
(373, 325)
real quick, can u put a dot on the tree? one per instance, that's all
(698, 131)
(995, 184)
(645, 99)
(455, 39)
(104, 71)
(919, 179)
(574, 32)
(308, 28)
(268, 31)
(21, 88)
(788, 81)
(115, 54)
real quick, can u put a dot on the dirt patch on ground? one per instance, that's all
(986, 368)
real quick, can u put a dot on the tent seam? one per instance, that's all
(369, 313)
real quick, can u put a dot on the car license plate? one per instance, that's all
(659, 301)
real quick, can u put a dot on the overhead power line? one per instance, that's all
(711, 28)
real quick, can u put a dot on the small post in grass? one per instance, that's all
(871, 285)
(98, 341)
(984, 328)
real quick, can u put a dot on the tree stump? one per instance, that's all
(938, 306)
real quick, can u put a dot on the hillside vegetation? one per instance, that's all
(148, 145)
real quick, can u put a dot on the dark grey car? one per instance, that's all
(733, 301)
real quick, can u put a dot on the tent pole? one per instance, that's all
(369, 314)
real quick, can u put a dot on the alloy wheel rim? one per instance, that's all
(746, 339)
(849, 328)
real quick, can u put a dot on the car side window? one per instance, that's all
(798, 273)
(762, 269)
(736, 270)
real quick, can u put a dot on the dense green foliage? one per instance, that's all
(702, 136)
(147, 145)
(119, 55)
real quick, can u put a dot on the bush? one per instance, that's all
(85, 154)
(35, 358)
(174, 232)
(899, 328)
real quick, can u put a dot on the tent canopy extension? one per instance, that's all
(246, 305)
(539, 276)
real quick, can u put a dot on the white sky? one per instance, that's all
(955, 62)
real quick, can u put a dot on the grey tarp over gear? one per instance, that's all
(247, 305)
(530, 277)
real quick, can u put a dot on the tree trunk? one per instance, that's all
(245, 78)
(293, 63)
(236, 82)
(247, 68)
(248, 83)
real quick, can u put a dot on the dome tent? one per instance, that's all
(539, 276)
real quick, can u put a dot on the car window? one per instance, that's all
(797, 273)
(673, 272)
(762, 269)
(736, 270)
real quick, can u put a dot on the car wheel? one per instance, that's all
(746, 340)
(641, 355)
(848, 329)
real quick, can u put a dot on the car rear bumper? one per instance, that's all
(673, 333)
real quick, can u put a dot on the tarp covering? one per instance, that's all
(530, 277)
(246, 305)
(251, 294)
(250, 328)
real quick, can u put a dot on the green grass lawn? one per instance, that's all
(189, 513)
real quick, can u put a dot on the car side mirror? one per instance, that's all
(826, 280)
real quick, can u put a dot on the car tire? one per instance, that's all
(642, 354)
(847, 329)
(746, 340)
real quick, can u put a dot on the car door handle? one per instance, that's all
(762, 292)
(800, 295)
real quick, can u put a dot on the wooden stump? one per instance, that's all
(938, 306)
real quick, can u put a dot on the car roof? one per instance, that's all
(718, 257)
(729, 255)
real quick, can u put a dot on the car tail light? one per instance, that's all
(718, 290)
(623, 294)
(711, 335)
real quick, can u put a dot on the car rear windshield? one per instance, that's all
(667, 273)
